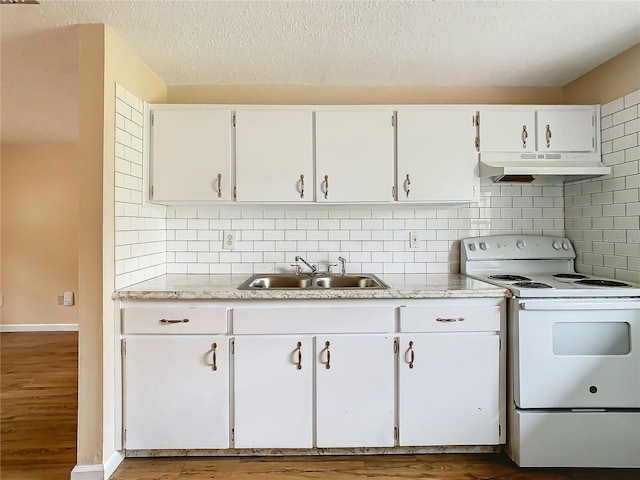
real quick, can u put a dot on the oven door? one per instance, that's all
(576, 353)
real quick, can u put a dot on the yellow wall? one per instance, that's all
(613, 79)
(40, 233)
(314, 95)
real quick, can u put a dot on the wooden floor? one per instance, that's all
(38, 405)
(38, 395)
(396, 467)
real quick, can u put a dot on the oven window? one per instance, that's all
(593, 338)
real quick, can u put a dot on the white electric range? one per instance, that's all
(574, 353)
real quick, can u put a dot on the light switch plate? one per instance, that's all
(229, 239)
(414, 242)
(67, 299)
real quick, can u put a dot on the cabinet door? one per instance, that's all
(354, 156)
(191, 155)
(274, 156)
(355, 391)
(507, 131)
(174, 395)
(567, 130)
(273, 383)
(437, 158)
(449, 389)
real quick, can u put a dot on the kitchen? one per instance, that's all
(525, 207)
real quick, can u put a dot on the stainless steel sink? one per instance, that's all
(285, 281)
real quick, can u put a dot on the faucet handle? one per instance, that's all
(298, 268)
(330, 268)
(343, 265)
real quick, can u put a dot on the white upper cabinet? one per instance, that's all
(190, 157)
(507, 130)
(274, 156)
(537, 129)
(354, 156)
(567, 130)
(437, 158)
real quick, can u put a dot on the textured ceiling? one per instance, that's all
(479, 43)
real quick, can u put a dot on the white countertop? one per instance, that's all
(225, 287)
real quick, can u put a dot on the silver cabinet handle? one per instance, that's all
(548, 136)
(301, 186)
(181, 320)
(412, 356)
(450, 320)
(525, 135)
(326, 186)
(407, 185)
(219, 185)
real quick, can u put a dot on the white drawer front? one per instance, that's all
(171, 320)
(313, 320)
(455, 318)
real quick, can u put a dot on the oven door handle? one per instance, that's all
(584, 304)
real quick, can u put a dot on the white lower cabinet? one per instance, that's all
(355, 390)
(176, 391)
(273, 386)
(449, 389)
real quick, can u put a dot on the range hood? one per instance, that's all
(541, 167)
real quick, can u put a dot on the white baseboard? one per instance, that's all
(39, 327)
(112, 463)
(87, 472)
(97, 472)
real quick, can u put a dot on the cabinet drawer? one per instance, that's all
(174, 320)
(313, 320)
(455, 318)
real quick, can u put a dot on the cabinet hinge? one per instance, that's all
(395, 346)
(395, 432)
(593, 142)
(499, 430)
(153, 119)
(393, 192)
(124, 436)
(593, 120)
(233, 120)
(499, 344)
(124, 347)
(478, 143)
(393, 120)
(233, 347)
(233, 434)
(475, 120)
(235, 193)
(151, 191)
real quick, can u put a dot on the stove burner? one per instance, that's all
(531, 285)
(602, 283)
(510, 278)
(572, 276)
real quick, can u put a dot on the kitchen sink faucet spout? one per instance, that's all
(313, 268)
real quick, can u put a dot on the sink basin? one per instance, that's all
(350, 281)
(282, 281)
(273, 281)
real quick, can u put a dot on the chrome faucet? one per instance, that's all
(313, 268)
(343, 265)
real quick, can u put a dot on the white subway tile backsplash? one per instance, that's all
(612, 107)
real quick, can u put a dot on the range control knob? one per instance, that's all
(472, 247)
(565, 245)
(556, 245)
(520, 244)
(484, 246)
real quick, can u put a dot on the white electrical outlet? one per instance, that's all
(229, 239)
(413, 240)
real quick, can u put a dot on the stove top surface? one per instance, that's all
(536, 266)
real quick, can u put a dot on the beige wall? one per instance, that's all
(104, 60)
(301, 95)
(40, 233)
(613, 79)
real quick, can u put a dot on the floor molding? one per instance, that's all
(112, 463)
(87, 472)
(39, 327)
